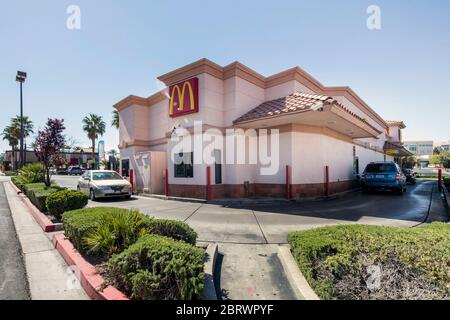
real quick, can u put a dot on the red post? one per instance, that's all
(132, 180)
(440, 180)
(208, 183)
(167, 182)
(327, 181)
(288, 183)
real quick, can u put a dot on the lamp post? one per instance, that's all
(21, 77)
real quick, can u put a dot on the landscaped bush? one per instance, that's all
(59, 202)
(10, 173)
(106, 230)
(116, 232)
(158, 268)
(173, 229)
(31, 173)
(341, 262)
(38, 193)
(447, 182)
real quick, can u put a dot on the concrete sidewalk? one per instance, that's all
(13, 279)
(49, 277)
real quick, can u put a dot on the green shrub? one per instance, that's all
(447, 181)
(158, 268)
(111, 230)
(38, 193)
(177, 230)
(31, 173)
(17, 184)
(116, 232)
(66, 200)
(414, 262)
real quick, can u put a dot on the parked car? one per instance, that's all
(104, 184)
(75, 171)
(61, 171)
(383, 175)
(410, 176)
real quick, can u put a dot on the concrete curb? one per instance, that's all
(298, 282)
(44, 222)
(89, 279)
(209, 292)
(163, 197)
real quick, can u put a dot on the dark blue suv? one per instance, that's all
(383, 175)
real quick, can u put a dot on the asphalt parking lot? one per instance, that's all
(249, 236)
(270, 223)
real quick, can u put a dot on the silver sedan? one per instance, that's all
(104, 184)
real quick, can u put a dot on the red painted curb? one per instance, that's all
(44, 222)
(90, 280)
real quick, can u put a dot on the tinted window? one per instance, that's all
(381, 167)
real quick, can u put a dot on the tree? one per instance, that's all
(436, 151)
(441, 159)
(28, 125)
(115, 123)
(409, 162)
(94, 125)
(48, 145)
(11, 134)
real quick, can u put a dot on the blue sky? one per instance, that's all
(402, 70)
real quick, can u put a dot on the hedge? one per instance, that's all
(38, 193)
(78, 224)
(158, 268)
(413, 262)
(66, 200)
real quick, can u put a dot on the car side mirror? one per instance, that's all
(87, 179)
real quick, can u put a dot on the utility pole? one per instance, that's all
(21, 76)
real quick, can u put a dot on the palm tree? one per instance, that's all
(27, 128)
(115, 123)
(11, 134)
(94, 125)
(27, 125)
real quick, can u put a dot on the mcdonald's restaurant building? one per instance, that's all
(327, 135)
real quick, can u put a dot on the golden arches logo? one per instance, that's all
(177, 97)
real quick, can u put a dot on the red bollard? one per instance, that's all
(167, 182)
(132, 180)
(208, 183)
(288, 184)
(327, 181)
(440, 180)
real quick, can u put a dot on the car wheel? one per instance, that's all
(127, 197)
(400, 191)
(91, 195)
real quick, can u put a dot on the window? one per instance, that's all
(218, 166)
(184, 165)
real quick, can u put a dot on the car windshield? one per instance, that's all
(106, 176)
(381, 167)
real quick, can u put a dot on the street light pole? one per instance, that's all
(21, 127)
(21, 76)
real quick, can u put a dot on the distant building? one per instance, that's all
(420, 148)
(82, 157)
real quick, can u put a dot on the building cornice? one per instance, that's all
(237, 69)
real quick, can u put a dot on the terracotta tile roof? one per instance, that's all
(294, 103)
(396, 123)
